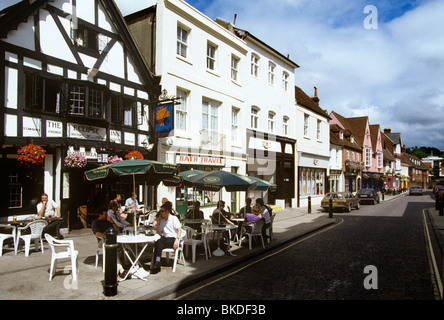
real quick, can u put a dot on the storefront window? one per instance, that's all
(312, 182)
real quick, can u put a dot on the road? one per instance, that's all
(387, 238)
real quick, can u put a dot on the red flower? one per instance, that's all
(134, 155)
(31, 155)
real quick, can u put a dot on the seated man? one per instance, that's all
(219, 215)
(247, 209)
(113, 213)
(169, 228)
(48, 208)
(103, 223)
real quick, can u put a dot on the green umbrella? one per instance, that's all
(141, 171)
(181, 179)
(215, 180)
(263, 185)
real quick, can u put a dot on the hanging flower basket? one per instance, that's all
(31, 155)
(134, 155)
(75, 160)
(114, 159)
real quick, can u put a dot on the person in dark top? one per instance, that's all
(195, 213)
(247, 209)
(103, 223)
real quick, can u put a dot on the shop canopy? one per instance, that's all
(215, 180)
(263, 185)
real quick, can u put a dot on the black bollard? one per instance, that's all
(110, 281)
(330, 208)
(309, 204)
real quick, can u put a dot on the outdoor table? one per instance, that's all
(126, 241)
(194, 221)
(220, 228)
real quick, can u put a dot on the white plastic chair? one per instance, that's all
(4, 236)
(191, 240)
(69, 253)
(177, 252)
(100, 248)
(36, 227)
(255, 232)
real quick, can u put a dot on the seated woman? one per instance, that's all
(254, 216)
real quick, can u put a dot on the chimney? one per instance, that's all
(315, 98)
(387, 130)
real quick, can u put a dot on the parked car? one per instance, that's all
(415, 190)
(341, 200)
(368, 195)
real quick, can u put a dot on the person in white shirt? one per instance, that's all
(47, 209)
(170, 231)
(131, 203)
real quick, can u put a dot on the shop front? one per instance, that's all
(312, 178)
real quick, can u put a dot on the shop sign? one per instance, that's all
(81, 131)
(54, 128)
(31, 127)
(200, 161)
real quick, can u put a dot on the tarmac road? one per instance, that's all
(389, 237)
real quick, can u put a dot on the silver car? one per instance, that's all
(415, 190)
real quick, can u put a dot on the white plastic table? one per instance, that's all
(126, 240)
(218, 228)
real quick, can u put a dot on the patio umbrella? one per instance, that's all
(215, 180)
(263, 185)
(181, 179)
(132, 171)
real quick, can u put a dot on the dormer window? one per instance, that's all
(352, 139)
(86, 38)
(341, 135)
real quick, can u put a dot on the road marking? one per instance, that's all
(436, 279)
(261, 259)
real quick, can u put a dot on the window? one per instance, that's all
(312, 182)
(380, 160)
(211, 56)
(271, 70)
(234, 68)
(86, 38)
(182, 41)
(254, 65)
(368, 157)
(15, 191)
(92, 107)
(77, 100)
(128, 106)
(285, 121)
(306, 118)
(234, 124)
(254, 117)
(210, 122)
(285, 77)
(181, 110)
(42, 93)
(271, 116)
(318, 130)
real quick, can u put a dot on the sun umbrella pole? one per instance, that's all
(135, 211)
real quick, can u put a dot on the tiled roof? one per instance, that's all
(304, 100)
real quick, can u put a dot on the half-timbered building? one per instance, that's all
(71, 80)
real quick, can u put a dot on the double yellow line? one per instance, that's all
(259, 260)
(436, 278)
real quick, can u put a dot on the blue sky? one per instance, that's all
(393, 74)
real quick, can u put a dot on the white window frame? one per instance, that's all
(306, 124)
(235, 61)
(271, 73)
(210, 120)
(271, 121)
(285, 79)
(181, 116)
(285, 121)
(380, 160)
(182, 41)
(254, 70)
(211, 56)
(235, 124)
(254, 123)
(318, 129)
(368, 157)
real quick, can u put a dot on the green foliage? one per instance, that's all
(423, 152)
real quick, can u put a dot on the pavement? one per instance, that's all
(27, 278)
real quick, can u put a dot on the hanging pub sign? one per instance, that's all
(164, 119)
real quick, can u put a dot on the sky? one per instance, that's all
(382, 58)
